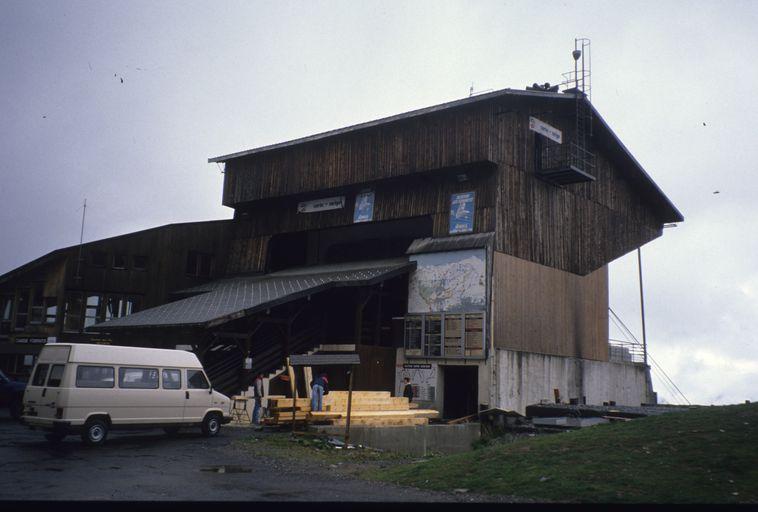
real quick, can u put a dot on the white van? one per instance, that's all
(91, 389)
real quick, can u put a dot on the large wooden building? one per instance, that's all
(464, 245)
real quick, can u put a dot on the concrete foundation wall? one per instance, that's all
(420, 440)
(525, 378)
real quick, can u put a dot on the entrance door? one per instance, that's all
(461, 388)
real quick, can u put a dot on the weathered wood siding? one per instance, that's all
(577, 228)
(540, 309)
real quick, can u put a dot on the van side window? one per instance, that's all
(95, 377)
(56, 375)
(138, 378)
(40, 374)
(172, 379)
(196, 380)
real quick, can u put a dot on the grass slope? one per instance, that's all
(702, 455)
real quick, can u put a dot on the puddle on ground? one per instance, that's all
(227, 469)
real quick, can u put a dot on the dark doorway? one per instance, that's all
(287, 250)
(461, 390)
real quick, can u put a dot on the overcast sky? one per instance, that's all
(122, 103)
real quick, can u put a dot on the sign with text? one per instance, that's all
(545, 129)
(364, 207)
(462, 213)
(320, 205)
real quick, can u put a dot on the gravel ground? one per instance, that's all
(148, 465)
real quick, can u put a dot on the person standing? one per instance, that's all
(408, 389)
(257, 398)
(319, 388)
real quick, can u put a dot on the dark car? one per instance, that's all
(12, 395)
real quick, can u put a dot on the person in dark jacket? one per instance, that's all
(408, 389)
(319, 388)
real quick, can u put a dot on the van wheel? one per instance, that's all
(54, 437)
(95, 432)
(172, 431)
(211, 425)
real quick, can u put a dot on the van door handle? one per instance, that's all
(186, 395)
(44, 391)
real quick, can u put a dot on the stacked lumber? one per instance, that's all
(372, 408)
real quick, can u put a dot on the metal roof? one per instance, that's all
(450, 243)
(390, 119)
(227, 299)
(324, 359)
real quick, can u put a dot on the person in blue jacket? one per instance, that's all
(319, 388)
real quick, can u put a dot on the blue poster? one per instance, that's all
(364, 207)
(462, 213)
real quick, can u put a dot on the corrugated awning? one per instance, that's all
(228, 299)
(450, 243)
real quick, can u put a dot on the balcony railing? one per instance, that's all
(625, 352)
(566, 163)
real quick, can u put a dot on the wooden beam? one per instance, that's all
(349, 403)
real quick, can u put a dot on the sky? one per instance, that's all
(122, 103)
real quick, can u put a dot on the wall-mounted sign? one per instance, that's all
(462, 213)
(364, 207)
(545, 129)
(320, 205)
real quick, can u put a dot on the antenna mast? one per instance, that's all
(81, 239)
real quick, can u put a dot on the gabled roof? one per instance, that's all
(634, 171)
(227, 299)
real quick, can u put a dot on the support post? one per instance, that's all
(349, 405)
(642, 306)
(291, 375)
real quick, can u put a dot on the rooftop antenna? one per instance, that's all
(81, 239)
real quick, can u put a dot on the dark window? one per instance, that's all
(22, 309)
(97, 258)
(138, 378)
(433, 335)
(56, 375)
(196, 380)
(413, 335)
(199, 264)
(73, 313)
(6, 308)
(119, 261)
(95, 377)
(38, 305)
(40, 373)
(139, 262)
(172, 379)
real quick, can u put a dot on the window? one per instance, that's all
(433, 335)
(138, 378)
(172, 379)
(38, 305)
(95, 377)
(119, 261)
(6, 307)
(40, 374)
(22, 309)
(453, 335)
(413, 335)
(73, 313)
(196, 380)
(139, 262)
(199, 264)
(51, 310)
(97, 258)
(90, 313)
(56, 375)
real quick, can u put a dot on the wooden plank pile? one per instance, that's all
(372, 408)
